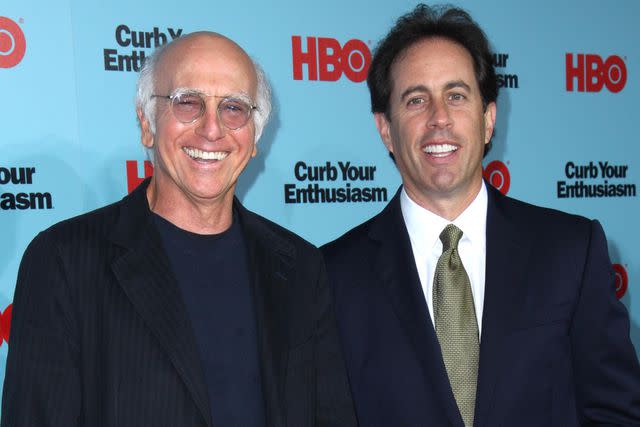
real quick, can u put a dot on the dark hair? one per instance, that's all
(425, 22)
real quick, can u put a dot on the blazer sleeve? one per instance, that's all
(42, 383)
(606, 370)
(334, 403)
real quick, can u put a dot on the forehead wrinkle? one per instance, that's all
(422, 88)
(421, 55)
(202, 61)
(211, 81)
(196, 91)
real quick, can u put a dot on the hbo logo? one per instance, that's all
(12, 43)
(326, 60)
(592, 73)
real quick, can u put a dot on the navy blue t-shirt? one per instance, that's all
(213, 275)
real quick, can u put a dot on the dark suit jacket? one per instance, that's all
(555, 348)
(101, 336)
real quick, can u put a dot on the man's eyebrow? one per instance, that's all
(189, 90)
(411, 89)
(457, 83)
(422, 88)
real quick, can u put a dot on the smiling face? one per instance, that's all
(199, 163)
(437, 128)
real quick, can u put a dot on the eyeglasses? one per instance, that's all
(189, 106)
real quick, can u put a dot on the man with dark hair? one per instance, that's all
(456, 305)
(177, 306)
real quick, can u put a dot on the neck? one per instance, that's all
(190, 214)
(448, 207)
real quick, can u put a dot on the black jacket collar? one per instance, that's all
(144, 272)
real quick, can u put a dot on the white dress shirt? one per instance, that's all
(424, 229)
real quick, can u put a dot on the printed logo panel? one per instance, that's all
(497, 174)
(506, 80)
(13, 44)
(133, 179)
(5, 324)
(22, 200)
(130, 53)
(622, 280)
(596, 179)
(333, 183)
(590, 73)
(326, 60)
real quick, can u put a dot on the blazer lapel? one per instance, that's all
(145, 275)
(272, 262)
(396, 267)
(507, 254)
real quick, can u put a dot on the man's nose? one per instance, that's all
(209, 125)
(439, 116)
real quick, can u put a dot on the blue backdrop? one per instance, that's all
(566, 133)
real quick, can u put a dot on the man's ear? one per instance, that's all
(383, 126)
(146, 136)
(489, 121)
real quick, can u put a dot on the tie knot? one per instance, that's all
(450, 237)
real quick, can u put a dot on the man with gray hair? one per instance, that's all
(177, 306)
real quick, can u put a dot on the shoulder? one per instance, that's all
(552, 235)
(68, 254)
(354, 239)
(94, 229)
(356, 244)
(274, 235)
(84, 229)
(538, 219)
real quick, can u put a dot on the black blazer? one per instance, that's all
(101, 336)
(555, 348)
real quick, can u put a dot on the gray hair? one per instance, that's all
(146, 88)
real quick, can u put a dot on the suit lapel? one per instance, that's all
(144, 273)
(271, 261)
(507, 254)
(396, 267)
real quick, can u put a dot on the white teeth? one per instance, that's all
(439, 148)
(194, 153)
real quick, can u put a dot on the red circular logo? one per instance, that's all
(5, 323)
(497, 174)
(615, 73)
(622, 280)
(12, 43)
(356, 59)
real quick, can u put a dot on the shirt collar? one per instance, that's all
(424, 226)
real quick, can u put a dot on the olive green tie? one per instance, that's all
(455, 322)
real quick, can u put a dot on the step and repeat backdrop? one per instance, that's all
(566, 137)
